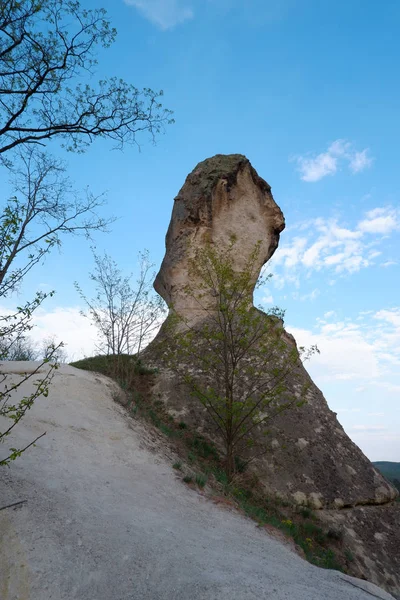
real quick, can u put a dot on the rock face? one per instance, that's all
(223, 197)
(310, 459)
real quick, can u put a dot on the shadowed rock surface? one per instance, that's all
(310, 458)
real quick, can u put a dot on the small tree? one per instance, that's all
(126, 317)
(14, 345)
(233, 357)
(15, 411)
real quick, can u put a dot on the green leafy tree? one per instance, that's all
(235, 359)
(48, 60)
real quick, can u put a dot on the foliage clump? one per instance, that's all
(233, 358)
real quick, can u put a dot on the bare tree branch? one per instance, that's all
(46, 45)
(125, 316)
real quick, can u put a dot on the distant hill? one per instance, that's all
(388, 469)
(391, 470)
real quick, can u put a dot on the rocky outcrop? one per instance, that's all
(371, 535)
(310, 459)
(223, 198)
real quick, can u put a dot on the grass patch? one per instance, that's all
(203, 449)
(177, 465)
(188, 479)
(201, 480)
(126, 369)
(306, 513)
(349, 555)
(220, 476)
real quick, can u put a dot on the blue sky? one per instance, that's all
(308, 91)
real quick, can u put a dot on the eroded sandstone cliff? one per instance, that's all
(310, 459)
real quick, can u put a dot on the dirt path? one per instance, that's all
(106, 518)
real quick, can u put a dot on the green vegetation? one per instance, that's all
(126, 369)
(349, 556)
(390, 470)
(234, 361)
(201, 480)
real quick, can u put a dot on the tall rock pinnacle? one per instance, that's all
(221, 198)
(309, 459)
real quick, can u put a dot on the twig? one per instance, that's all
(14, 504)
(4, 461)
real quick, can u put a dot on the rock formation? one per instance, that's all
(223, 197)
(310, 460)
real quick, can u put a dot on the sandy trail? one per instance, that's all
(106, 517)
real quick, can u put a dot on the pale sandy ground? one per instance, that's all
(106, 517)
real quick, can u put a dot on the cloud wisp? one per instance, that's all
(358, 370)
(326, 244)
(364, 350)
(314, 168)
(165, 14)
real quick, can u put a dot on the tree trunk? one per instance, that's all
(230, 463)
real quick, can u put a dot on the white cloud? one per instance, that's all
(62, 324)
(391, 316)
(326, 244)
(369, 428)
(395, 389)
(317, 167)
(267, 299)
(382, 220)
(165, 14)
(340, 148)
(314, 169)
(305, 297)
(330, 313)
(290, 254)
(389, 263)
(66, 325)
(366, 349)
(345, 353)
(357, 371)
(360, 161)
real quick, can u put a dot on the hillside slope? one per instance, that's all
(391, 470)
(105, 518)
